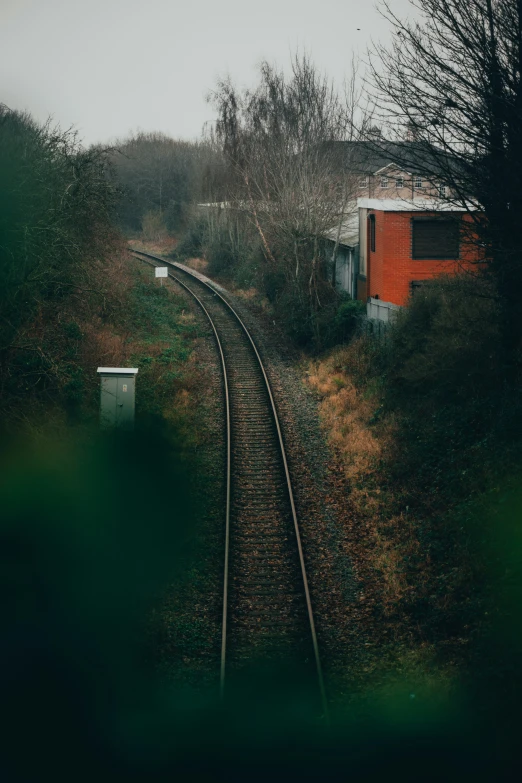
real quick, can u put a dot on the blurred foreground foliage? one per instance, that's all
(94, 530)
(86, 549)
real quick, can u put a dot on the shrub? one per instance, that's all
(341, 321)
(235, 257)
(222, 255)
(192, 242)
(294, 316)
(445, 345)
(175, 215)
(153, 226)
(234, 251)
(57, 204)
(439, 374)
(430, 431)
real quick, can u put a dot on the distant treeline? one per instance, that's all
(161, 178)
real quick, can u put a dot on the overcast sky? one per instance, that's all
(110, 67)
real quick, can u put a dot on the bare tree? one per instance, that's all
(455, 81)
(289, 173)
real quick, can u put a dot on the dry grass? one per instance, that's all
(346, 413)
(103, 346)
(198, 264)
(382, 538)
(250, 295)
(160, 247)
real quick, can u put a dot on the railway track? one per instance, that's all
(267, 611)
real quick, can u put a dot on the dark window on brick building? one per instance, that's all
(434, 238)
(372, 233)
(416, 285)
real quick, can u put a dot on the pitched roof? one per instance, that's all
(415, 205)
(415, 157)
(349, 231)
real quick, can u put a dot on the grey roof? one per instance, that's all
(349, 234)
(416, 157)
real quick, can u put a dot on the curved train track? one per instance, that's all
(267, 611)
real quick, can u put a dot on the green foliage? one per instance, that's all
(294, 316)
(175, 215)
(442, 390)
(229, 246)
(221, 256)
(57, 204)
(72, 331)
(224, 253)
(84, 556)
(335, 321)
(440, 371)
(446, 345)
(163, 341)
(348, 315)
(273, 280)
(192, 243)
(234, 251)
(338, 321)
(154, 312)
(74, 388)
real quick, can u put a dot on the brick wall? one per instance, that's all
(391, 268)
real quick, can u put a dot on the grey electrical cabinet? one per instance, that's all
(117, 397)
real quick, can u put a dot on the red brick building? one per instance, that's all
(402, 244)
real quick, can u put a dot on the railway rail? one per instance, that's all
(267, 609)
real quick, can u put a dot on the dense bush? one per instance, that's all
(222, 255)
(192, 242)
(153, 226)
(56, 211)
(428, 423)
(233, 251)
(228, 245)
(439, 373)
(445, 346)
(342, 324)
(452, 425)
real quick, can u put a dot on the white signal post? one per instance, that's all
(161, 272)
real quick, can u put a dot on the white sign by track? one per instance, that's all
(162, 271)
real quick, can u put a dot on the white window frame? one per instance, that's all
(364, 182)
(384, 180)
(442, 190)
(416, 181)
(397, 180)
